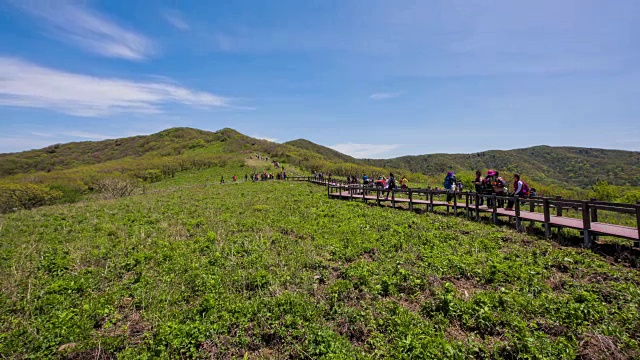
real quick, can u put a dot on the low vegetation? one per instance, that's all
(273, 269)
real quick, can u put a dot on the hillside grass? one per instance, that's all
(274, 269)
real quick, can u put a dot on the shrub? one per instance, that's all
(26, 196)
(116, 187)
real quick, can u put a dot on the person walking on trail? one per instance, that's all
(222, 180)
(234, 178)
(450, 185)
(391, 184)
(521, 190)
(246, 177)
(479, 184)
(488, 184)
(404, 183)
(500, 188)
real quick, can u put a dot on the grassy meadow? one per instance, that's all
(195, 269)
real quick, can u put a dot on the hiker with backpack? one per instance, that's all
(490, 183)
(500, 188)
(450, 185)
(521, 190)
(479, 184)
(391, 184)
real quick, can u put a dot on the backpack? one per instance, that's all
(525, 188)
(448, 182)
(501, 182)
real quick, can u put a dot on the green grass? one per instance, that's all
(275, 269)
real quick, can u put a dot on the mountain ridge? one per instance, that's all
(570, 165)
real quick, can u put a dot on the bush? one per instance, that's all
(26, 196)
(116, 187)
(69, 193)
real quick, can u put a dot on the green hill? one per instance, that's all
(169, 142)
(326, 152)
(185, 267)
(74, 168)
(581, 167)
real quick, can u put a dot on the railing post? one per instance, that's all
(393, 198)
(364, 198)
(410, 200)
(594, 212)
(477, 207)
(328, 191)
(547, 217)
(455, 204)
(532, 208)
(466, 204)
(586, 224)
(378, 196)
(558, 207)
(495, 208)
(594, 218)
(518, 220)
(430, 201)
(339, 191)
(637, 244)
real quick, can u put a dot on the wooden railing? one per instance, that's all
(550, 211)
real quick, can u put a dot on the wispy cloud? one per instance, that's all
(89, 30)
(24, 84)
(176, 19)
(364, 150)
(87, 135)
(384, 95)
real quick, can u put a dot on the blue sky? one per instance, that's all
(369, 78)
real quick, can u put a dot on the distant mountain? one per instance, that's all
(571, 166)
(576, 166)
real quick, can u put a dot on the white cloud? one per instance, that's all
(384, 95)
(89, 30)
(176, 19)
(24, 84)
(364, 150)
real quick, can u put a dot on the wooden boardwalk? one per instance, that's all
(524, 208)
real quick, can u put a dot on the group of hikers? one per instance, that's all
(281, 175)
(321, 176)
(490, 184)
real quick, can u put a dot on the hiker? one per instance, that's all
(391, 184)
(534, 192)
(500, 188)
(479, 184)
(365, 179)
(246, 177)
(521, 190)
(450, 185)
(404, 183)
(487, 185)
(222, 180)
